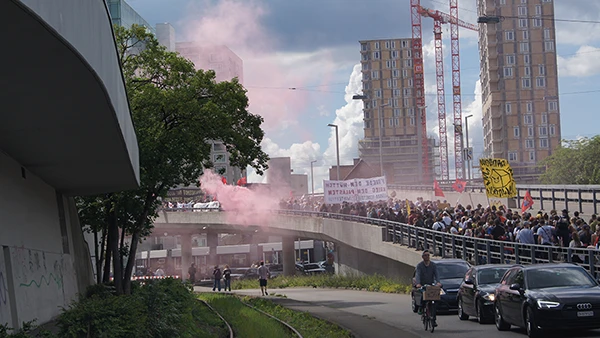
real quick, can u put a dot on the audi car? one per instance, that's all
(547, 297)
(451, 273)
(476, 293)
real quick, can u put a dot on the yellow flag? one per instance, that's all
(498, 178)
(407, 206)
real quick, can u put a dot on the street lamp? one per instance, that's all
(312, 177)
(467, 152)
(337, 148)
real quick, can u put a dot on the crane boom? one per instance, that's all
(456, 97)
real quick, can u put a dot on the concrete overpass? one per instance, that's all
(66, 130)
(359, 247)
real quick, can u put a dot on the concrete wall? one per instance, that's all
(43, 263)
(352, 261)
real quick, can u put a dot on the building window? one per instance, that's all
(363, 46)
(376, 56)
(375, 74)
(394, 122)
(408, 63)
(537, 22)
(547, 34)
(543, 143)
(406, 103)
(404, 73)
(522, 23)
(525, 35)
(523, 1)
(552, 106)
(376, 45)
(396, 112)
(367, 115)
(527, 59)
(367, 124)
(387, 45)
(395, 73)
(549, 46)
(396, 92)
(507, 108)
(394, 54)
(393, 44)
(527, 71)
(517, 132)
(524, 47)
(544, 118)
(529, 144)
(508, 72)
(219, 158)
(409, 53)
(526, 82)
(395, 103)
(378, 93)
(542, 70)
(407, 92)
(412, 121)
(543, 131)
(512, 156)
(404, 43)
(388, 63)
(410, 82)
(532, 156)
(410, 112)
(540, 81)
(389, 83)
(522, 11)
(552, 129)
(530, 132)
(502, 2)
(528, 119)
(510, 59)
(538, 9)
(509, 35)
(365, 57)
(529, 107)
(367, 104)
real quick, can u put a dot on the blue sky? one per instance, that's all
(312, 45)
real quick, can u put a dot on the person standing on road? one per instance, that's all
(426, 274)
(263, 275)
(217, 277)
(192, 273)
(227, 277)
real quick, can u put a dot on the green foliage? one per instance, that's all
(246, 322)
(28, 330)
(159, 308)
(304, 322)
(575, 162)
(375, 283)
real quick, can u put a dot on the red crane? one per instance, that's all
(440, 18)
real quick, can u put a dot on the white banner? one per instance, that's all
(355, 190)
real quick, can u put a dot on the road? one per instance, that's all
(394, 310)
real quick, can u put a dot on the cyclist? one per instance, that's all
(426, 274)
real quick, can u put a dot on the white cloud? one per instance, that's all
(583, 63)
(322, 111)
(574, 33)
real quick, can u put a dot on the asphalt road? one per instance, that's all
(394, 310)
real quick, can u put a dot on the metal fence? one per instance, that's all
(474, 250)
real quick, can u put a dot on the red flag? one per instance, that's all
(437, 189)
(527, 202)
(224, 180)
(459, 186)
(242, 181)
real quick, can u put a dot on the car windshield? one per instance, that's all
(558, 277)
(490, 276)
(450, 271)
(311, 266)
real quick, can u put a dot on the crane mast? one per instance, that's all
(456, 97)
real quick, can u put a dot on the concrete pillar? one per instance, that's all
(212, 241)
(186, 255)
(288, 256)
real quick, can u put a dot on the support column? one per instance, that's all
(212, 240)
(288, 256)
(186, 255)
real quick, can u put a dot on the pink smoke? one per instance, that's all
(245, 206)
(239, 26)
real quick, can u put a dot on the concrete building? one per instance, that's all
(519, 79)
(299, 184)
(226, 64)
(124, 15)
(165, 33)
(392, 123)
(58, 139)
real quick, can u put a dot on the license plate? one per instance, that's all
(585, 313)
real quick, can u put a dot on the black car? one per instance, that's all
(451, 273)
(547, 296)
(476, 293)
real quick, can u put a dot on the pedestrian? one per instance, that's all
(263, 275)
(192, 272)
(227, 277)
(217, 277)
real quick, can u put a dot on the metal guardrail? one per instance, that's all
(477, 251)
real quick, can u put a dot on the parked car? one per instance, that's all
(547, 296)
(239, 273)
(476, 293)
(275, 270)
(451, 273)
(310, 268)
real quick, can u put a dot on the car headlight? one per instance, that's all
(442, 292)
(490, 296)
(544, 304)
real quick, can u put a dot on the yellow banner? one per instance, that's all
(407, 206)
(498, 178)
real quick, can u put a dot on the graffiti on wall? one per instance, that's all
(5, 316)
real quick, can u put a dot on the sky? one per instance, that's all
(302, 66)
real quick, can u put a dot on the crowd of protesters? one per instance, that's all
(491, 222)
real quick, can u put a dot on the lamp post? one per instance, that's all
(312, 178)
(337, 148)
(467, 137)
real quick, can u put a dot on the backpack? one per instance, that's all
(217, 274)
(562, 224)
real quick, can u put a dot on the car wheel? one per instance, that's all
(415, 307)
(501, 325)
(530, 325)
(461, 312)
(480, 318)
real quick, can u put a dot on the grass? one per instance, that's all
(376, 283)
(246, 322)
(306, 324)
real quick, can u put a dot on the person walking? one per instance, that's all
(217, 277)
(227, 277)
(192, 272)
(263, 275)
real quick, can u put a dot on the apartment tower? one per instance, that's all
(521, 118)
(392, 123)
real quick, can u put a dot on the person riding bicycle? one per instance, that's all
(426, 274)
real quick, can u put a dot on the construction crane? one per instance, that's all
(440, 18)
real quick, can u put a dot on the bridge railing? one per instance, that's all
(474, 250)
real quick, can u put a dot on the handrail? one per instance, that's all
(475, 250)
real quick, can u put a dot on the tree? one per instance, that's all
(575, 162)
(177, 113)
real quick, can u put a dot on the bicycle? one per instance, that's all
(430, 295)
